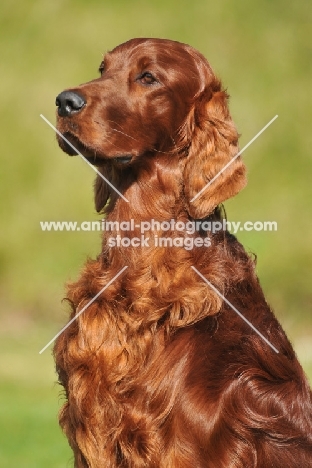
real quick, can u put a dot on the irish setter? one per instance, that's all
(159, 371)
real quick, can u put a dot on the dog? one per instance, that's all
(159, 370)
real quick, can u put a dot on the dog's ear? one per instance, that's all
(212, 139)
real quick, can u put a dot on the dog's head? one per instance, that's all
(155, 98)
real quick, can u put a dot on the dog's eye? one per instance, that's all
(147, 78)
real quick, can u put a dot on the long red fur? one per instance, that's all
(159, 371)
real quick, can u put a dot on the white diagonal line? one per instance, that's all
(233, 159)
(83, 309)
(82, 156)
(235, 310)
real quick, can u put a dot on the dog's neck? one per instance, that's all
(151, 192)
(155, 286)
(154, 194)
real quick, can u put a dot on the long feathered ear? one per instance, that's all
(212, 139)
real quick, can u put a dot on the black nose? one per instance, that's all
(69, 103)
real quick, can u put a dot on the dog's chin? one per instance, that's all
(71, 145)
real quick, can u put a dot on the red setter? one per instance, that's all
(158, 370)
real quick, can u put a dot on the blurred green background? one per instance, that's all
(263, 52)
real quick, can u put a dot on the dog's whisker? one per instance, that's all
(125, 134)
(115, 129)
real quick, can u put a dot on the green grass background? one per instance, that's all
(263, 52)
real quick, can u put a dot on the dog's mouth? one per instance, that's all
(71, 145)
